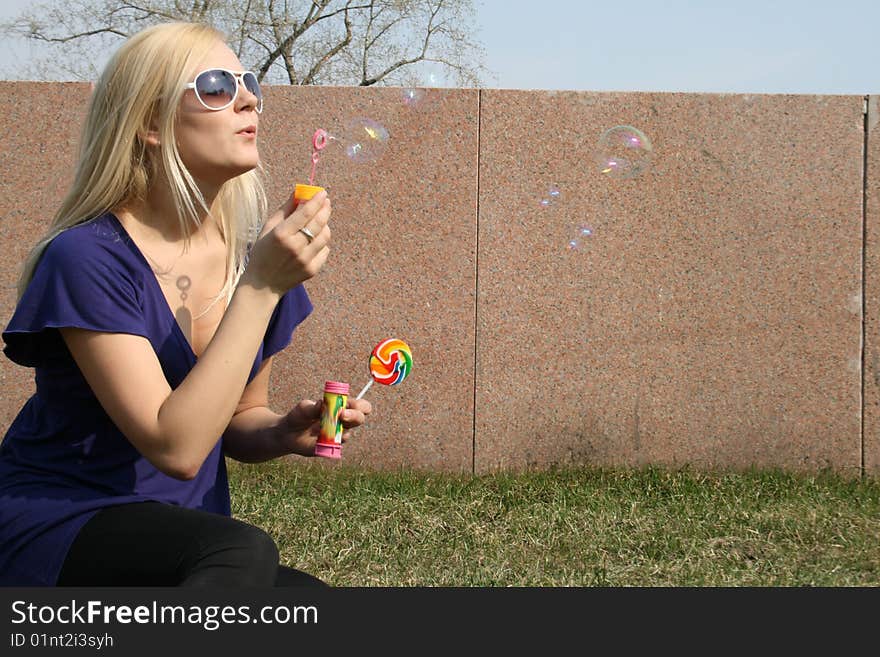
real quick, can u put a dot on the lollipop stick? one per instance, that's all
(364, 390)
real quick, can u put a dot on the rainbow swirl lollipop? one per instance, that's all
(390, 363)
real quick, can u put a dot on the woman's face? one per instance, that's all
(217, 145)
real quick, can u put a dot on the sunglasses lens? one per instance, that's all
(216, 88)
(252, 85)
(250, 82)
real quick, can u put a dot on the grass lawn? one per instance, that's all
(572, 527)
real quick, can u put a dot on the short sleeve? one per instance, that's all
(293, 308)
(79, 282)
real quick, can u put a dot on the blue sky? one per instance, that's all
(739, 46)
(735, 46)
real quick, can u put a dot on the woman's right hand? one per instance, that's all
(283, 256)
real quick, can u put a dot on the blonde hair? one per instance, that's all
(140, 87)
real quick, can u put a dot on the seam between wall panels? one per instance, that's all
(476, 282)
(866, 117)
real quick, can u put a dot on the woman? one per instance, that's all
(151, 312)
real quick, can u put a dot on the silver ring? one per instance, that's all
(309, 234)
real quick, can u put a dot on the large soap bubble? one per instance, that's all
(623, 152)
(364, 140)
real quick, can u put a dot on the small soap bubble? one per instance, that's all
(552, 195)
(584, 232)
(362, 139)
(412, 96)
(421, 99)
(425, 85)
(623, 152)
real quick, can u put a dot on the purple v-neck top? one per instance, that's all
(62, 458)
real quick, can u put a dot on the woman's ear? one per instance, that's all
(149, 133)
(149, 137)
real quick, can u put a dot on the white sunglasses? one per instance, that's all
(216, 88)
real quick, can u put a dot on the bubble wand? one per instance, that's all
(390, 363)
(305, 192)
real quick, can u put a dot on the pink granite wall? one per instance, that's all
(714, 316)
(41, 124)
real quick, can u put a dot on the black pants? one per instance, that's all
(154, 544)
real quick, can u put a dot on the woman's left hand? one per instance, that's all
(302, 424)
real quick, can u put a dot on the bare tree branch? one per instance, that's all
(42, 37)
(355, 42)
(313, 72)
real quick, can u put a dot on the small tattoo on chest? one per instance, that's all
(183, 284)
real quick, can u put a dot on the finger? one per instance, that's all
(306, 213)
(319, 241)
(281, 215)
(316, 217)
(316, 221)
(351, 418)
(317, 262)
(308, 408)
(315, 212)
(274, 220)
(315, 232)
(289, 204)
(313, 262)
(362, 405)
